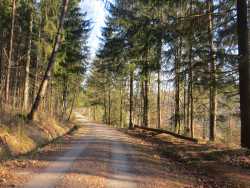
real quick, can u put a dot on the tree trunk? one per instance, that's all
(105, 106)
(65, 96)
(131, 95)
(9, 62)
(1, 62)
(159, 99)
(159, 49)
(190, 94)
(109, 106)
(244, 71)
(72, 105)
(191, 110)
(16, 72)
(190, 81)
(142, 102)
(47, 75)
(145, 99)
(185, 102)
(27, 66)
(177, 89)
(94, 113)
(213, 82)
(121, 106)
(37, 63)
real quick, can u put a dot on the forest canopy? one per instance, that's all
(172, 65)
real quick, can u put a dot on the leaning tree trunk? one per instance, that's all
(47, 75)
(27, 66)
(7, 83)
(244, 71)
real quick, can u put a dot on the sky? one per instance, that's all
(96, 12)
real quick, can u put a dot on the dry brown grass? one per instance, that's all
(18, 136)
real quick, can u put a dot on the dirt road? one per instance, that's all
(98, 156)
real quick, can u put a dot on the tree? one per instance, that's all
(244, 71)
(44, 83)
(9, 65)
(184, 57)
(27, 66)
(212, 70)
(30, 38)
(131, 96)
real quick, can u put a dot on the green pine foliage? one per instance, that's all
(71, 61)
(172, 39)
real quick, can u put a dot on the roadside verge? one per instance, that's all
(20, 138)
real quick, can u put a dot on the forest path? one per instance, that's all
(97, 156)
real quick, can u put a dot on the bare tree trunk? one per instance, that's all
(142, 102)
(213, 82)
(190, 81)
(72, 105)
(145, 91)
(94, 112)
(191, 110)
(105, 106)
(9, 65)
(65, 96)
(159, 98)
(1, 63)
(131, 95)
(52, 110)
(190, 94)
(37, 63)
(145, 99)
(185, 102)
(16, 72)
(159, 49)
(109, 106)
(27, 66)
(177, 91)
(244, 70)
(47, 75)
(121, 105)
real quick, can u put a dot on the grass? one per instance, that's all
(19, 137)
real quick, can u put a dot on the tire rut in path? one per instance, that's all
(50, 177)
(102, 157)
(122, 176)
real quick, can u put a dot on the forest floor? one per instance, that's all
(96, 156)
(214, 165)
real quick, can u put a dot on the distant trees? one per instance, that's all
(185, 63)
(10, 54)
(30, 32)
